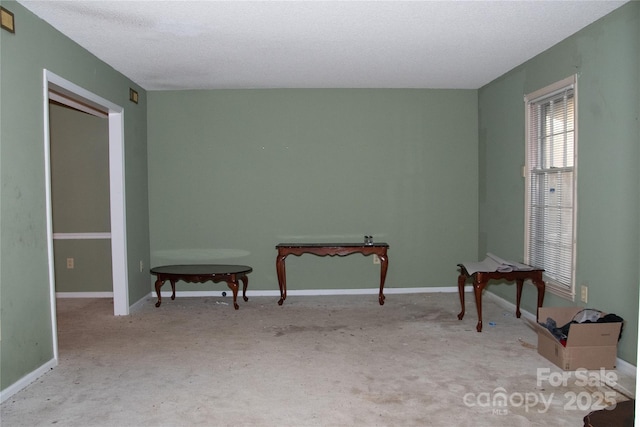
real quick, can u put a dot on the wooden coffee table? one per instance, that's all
(200, 273)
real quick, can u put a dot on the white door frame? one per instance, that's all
(116, 191)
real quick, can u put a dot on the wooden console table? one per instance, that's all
(331, 249)
(481, 278)
(200, 273)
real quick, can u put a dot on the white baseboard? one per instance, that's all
(627, 369)
(27, 379)
(313, 292)
(510, 306)
(138, 304)
(84, 294)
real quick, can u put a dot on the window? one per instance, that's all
(551, 184)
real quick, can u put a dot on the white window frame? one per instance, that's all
(565, 290)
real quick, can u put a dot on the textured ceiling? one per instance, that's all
(164, 45)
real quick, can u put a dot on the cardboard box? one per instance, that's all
(589, 345)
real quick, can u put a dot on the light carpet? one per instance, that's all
(315, 361)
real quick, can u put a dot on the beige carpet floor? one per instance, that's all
(315, 361)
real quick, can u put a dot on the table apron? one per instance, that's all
(199, 278)
(343, 251)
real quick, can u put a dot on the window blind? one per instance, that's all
(551, 187)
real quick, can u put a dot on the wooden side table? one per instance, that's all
(331, 249)
(481, 278)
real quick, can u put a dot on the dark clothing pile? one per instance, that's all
(587, 315)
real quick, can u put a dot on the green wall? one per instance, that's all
(79, 171)
(435, 173)
(234, 172)
(25, 308)
(80, 199)
(606, 57)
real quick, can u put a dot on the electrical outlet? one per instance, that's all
(141, 266)
(584, 293)
(376, 259)
(70, 263)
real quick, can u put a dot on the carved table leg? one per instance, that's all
(173, 289)
(159, 284)
(384, 264)
(478, 287)
(519, 284)
(461, 279)
(245, 283)
(232, 283)
(282, 277)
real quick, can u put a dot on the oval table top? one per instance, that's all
(201, 269)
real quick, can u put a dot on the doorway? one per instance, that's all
(63, 91)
